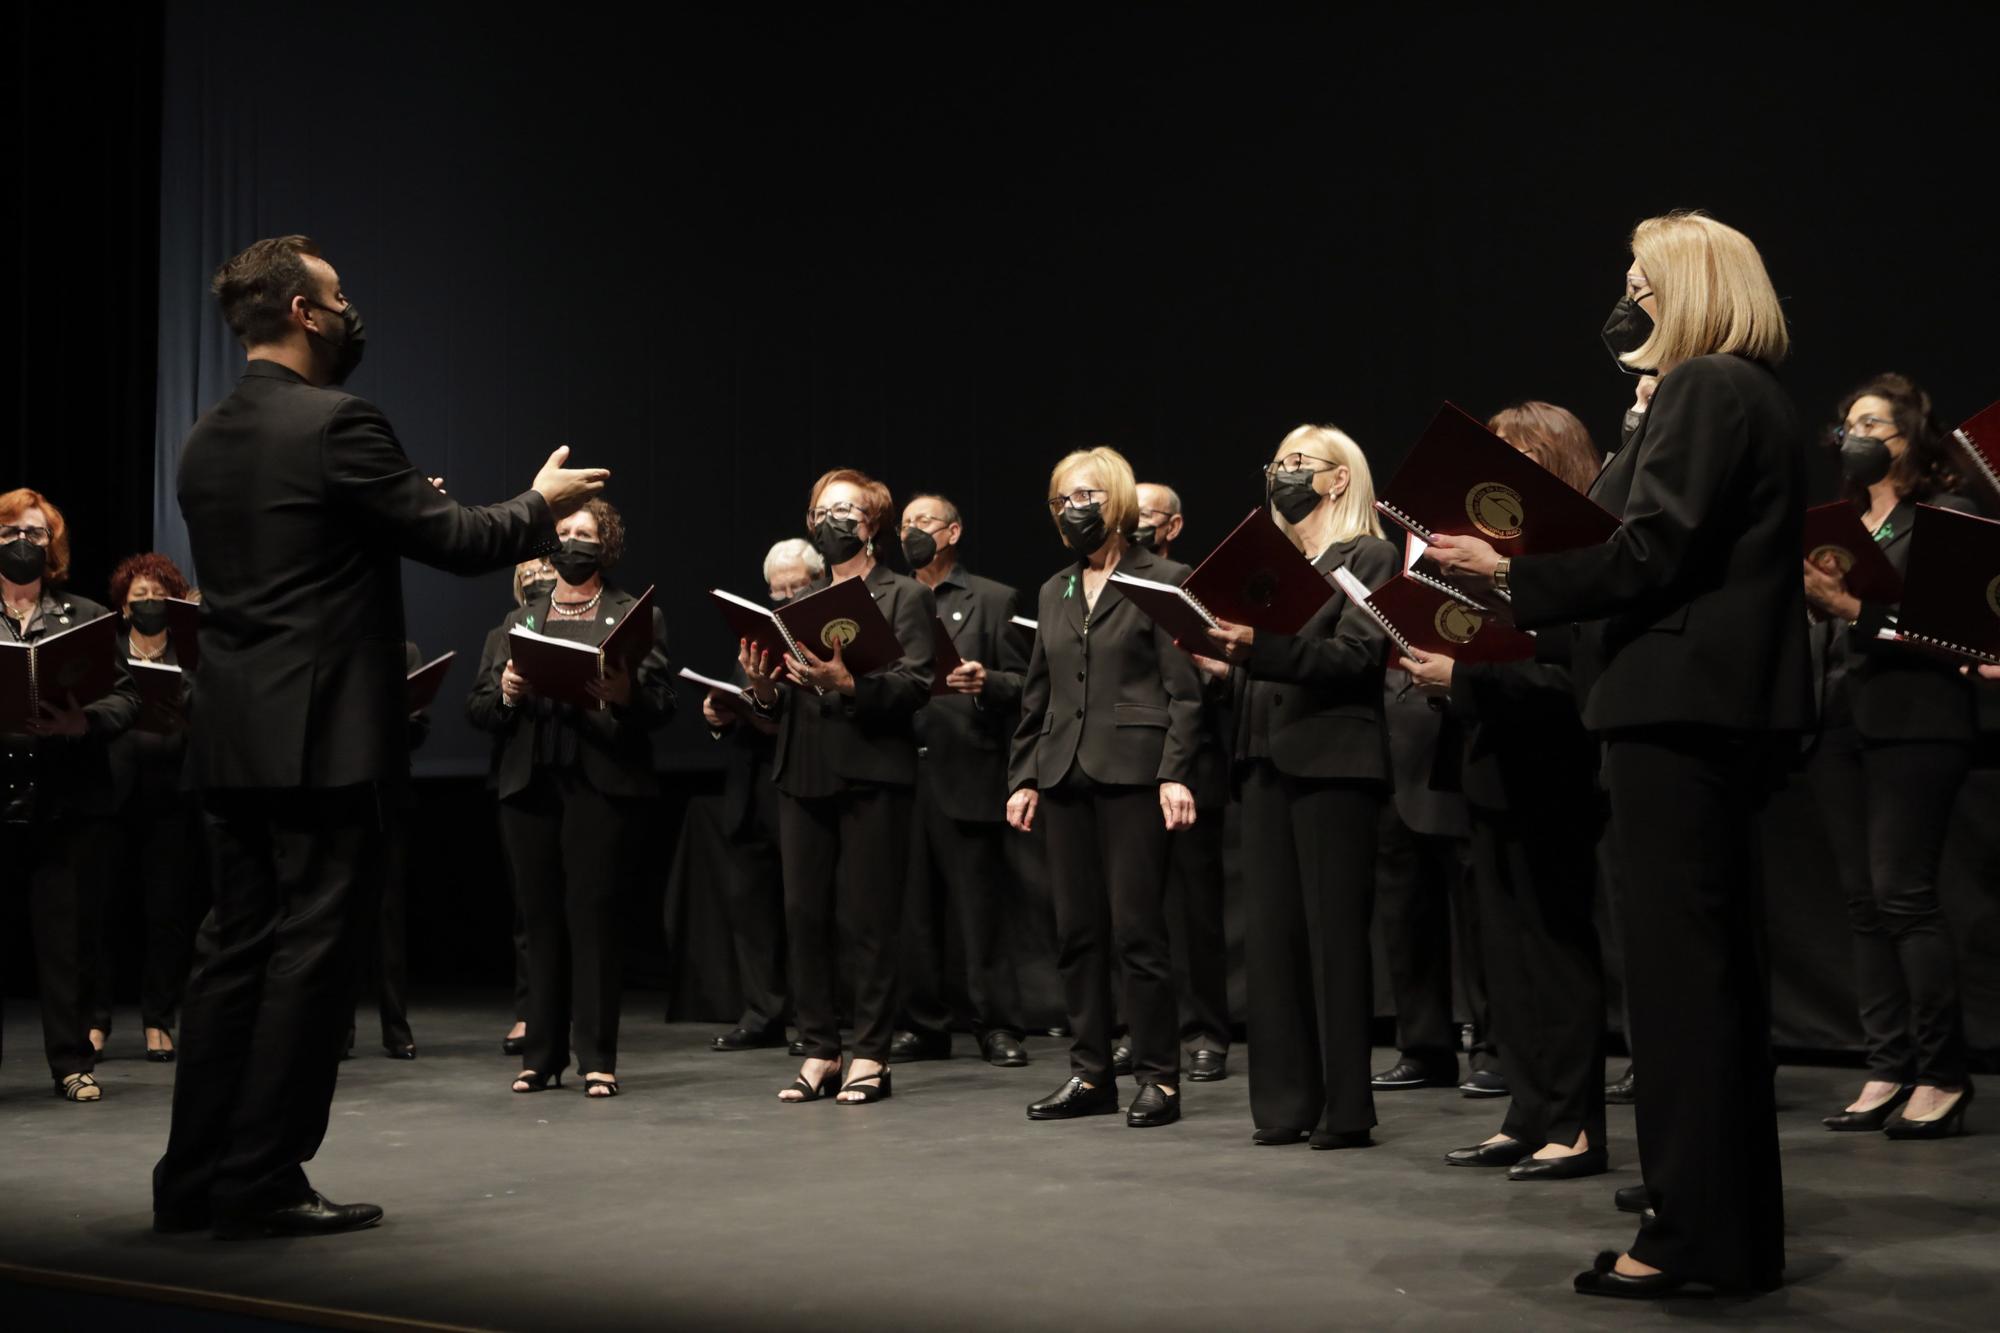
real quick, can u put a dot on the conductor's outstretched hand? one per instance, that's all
(567, 488)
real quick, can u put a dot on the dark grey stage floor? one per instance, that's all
(697, 1201)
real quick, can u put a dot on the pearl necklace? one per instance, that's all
(576, 610)
(142, 654)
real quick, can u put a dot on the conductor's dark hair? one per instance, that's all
(255, 289)
(1925, 468)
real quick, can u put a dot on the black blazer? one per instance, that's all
(965, 738)
(869, 736)
(1323, 685)
(614, 746)
(1886, 691)
(73, 775)
(1120, 700)
(1417, 733)
(300, 508)
(1526, 753)
(1694, 610)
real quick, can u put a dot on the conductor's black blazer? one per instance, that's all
(1121, 701)
(1324, 684)
(300, 507)
(614, 745)
(1887, 691)
(965, 737)
(868, 736)
(1693, 612)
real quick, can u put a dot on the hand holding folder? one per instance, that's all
(576, 673)
(1255, 577)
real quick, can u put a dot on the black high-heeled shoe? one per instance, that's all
(529, 1081)
(829, 1083)
(873, 1087)
(513, 1045)
(1604, 1279)
(1873, 1118)
(1950, 1123)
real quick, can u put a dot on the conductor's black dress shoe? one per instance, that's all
(313, 1216)
(1072, 1100)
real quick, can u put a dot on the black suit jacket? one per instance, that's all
(1323, 685)
(1121, 701)
(869, 737)
(1526, 753)
(1417, 732)
(1886, 691)
(300, 508)
(1694, 610)
(614, 746)
(965, 738)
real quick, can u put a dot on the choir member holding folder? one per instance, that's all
(573, 781)
(1693, 658)
(1312, 768)
(1896, 733)
(1529, 774)
(1103, 755)
(845, 764)
(57, 788)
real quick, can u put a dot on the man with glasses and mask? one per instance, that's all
(299, 502)
(957, 969)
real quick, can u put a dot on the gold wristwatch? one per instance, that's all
(1500, 572)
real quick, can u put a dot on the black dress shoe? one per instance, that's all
(400, 1052)
(907, 1046)
(1604, 1280)
(1950, 1123)
(1407, 1073)
(1121, 1058)
(1072, 1100)
(1004, 1049)
(1589, 1162)
(797, 1048)
(1626, 1090)
(1634, 1199)
(313, 1217)
(1208, 1066)
(1484, 1083)
(513, 1045)
(1504, 1153)
(1277, 1138)
(1153, 1107)
(1870, 1120)
(743, 1039)
(1327, 1140)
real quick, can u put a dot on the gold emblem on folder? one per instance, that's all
(1495, 509)
(1843, 559)
(839, 633)
(1993, 595)
(1457, 622)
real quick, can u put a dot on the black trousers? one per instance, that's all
(569, 846)
(754, 897)
(64, 863)
(267, 1005)
(1308, 890)
(957, 968)
(1107, 849)
(1683, 809)
(1536, 893)
(1195, 930)
(1887, 809)
(1427, 911)
(150, 863)
(845, 859)
(385, 947)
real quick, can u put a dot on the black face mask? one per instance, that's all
(353, 341)
(22, 561)
(1292, 494)
(534, 588)
(1146, 537)
(1864, 461)
(1629, 427)
(577, 561)
(148, 617)
(919, 547)
(1626, 331)
(839, 539)
(1083, 530)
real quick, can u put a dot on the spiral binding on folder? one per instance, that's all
(798, 653)
(1976, 457)
(1938, 645)
(1423, 533)
(1201, 610)
(1447, 589)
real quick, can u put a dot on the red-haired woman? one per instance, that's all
(154, 853)
(55, 778)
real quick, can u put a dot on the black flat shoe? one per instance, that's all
(314, 1217)
(1328, 1140)
(1589, 1162)
(1634, 1199)
(163, 1057)
(1208, 1066)
(1004, 1049)
(1484, 1083)
(743, 1039)
(1153, 1107)
(513, 1045)
(1407, 1073)
(907, 1046)
(1604, 1280)
(1121, 1058)
(1870, 1120)
(1626, 1090)
(1072, 1100)
(1950, 1123)
(1277, 1138)
(1504, 1153)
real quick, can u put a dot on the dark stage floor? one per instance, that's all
(697, 1201)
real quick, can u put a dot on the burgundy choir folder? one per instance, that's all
(1835, 530)
(184, 631)
(73, 664)
(944, 657)
(1463, 480)
(1951, 588)
(729, 696)
(564, 670)
(843, 613)
(750, 621)
(1434, 617)
(1978, 442)
(1171, 607)
(161, 686)
(1256, 577)
(425, 680)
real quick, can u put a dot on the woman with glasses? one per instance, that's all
(1896, 733)
(55, 781)
(846, 769)
(1312, 766)
(1105, 747)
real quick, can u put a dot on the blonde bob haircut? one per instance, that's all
(1714, 295)
(1354, 512)
(1114, 474)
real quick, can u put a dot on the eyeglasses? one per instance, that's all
(1300, 463)
(1157, 517)
(844, 509)
(926, 522)
(13, 532)
(1081, 498)
(1865, 429)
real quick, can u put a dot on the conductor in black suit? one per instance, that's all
(957, 968)
(300, 506)
(1693, 654)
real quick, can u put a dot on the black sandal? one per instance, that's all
(529, 1081)
(78, 1088)
(868, 1088)
(600, 1088)
(829, 1083)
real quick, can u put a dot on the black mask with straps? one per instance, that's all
(839, 539)
(1084, 530)
(148, 617)
(353, 341)
(577, 561)
(1292, 493)
(919, 547)
(1626, 331)
(22, 561)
